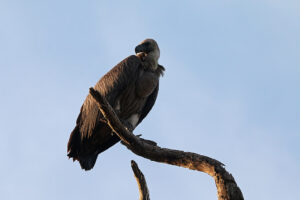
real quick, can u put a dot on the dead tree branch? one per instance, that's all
(141, 181)
(225, 183)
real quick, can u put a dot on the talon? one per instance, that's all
(130, 128)
(149, 142)
(127, 125)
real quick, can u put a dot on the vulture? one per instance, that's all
(131, 88)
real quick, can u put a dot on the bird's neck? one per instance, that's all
(152, 60)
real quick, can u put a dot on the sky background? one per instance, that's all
(230, 91)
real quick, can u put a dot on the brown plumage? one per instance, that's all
(131, 87)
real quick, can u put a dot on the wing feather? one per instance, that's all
(110, 86)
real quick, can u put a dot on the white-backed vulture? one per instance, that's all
(131, 87)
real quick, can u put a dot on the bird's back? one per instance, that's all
(91, 134)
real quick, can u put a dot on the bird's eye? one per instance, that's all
(147, 44)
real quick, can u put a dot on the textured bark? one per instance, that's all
(226, 186)
(141, 181)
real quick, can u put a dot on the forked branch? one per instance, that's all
(225, 183)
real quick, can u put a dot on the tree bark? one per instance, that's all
(226, 186)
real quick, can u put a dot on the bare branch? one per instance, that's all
(141, 181)
(225, 183)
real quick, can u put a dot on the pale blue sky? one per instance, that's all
(230, 91)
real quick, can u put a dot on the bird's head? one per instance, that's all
(149, 47)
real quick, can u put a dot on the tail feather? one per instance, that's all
(88, 162)
(86, 150)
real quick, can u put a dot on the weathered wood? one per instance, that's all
(141, 181)
(225, 183)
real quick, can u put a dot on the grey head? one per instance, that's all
(148, 46)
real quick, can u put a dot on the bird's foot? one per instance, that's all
(146, 141)
(127, 125)
(149, 142)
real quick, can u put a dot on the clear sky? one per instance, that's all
(230, 91)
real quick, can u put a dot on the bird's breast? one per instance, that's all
(146, 83)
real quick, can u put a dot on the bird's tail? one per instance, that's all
(87, 162)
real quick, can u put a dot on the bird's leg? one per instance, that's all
(127, 125)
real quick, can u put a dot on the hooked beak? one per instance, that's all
(139, 48)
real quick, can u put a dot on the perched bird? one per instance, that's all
(131, 88)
